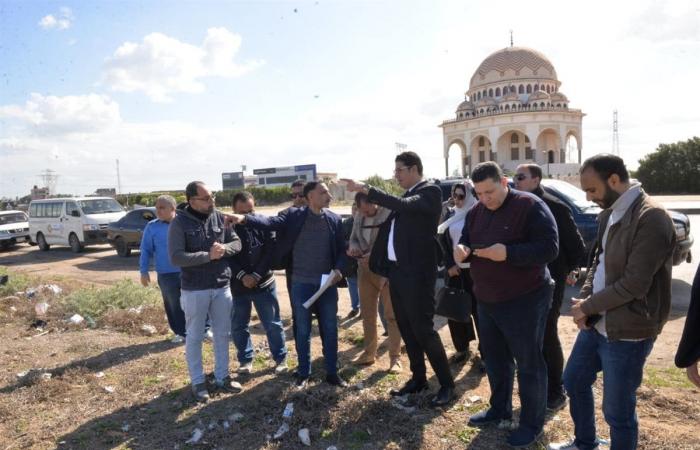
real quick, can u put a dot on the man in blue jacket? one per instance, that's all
(313, 235)
(253, 283)
(200, 244)
(154, 245)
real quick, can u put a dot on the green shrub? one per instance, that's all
(95, 302)
(15, 283)
(390, 186)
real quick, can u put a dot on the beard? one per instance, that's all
(609, 198)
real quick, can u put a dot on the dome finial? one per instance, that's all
(511, 38)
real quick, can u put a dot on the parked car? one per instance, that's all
(125, 234)
(585, 216)
(74, 221)
(14, 228)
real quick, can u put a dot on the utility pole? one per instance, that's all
(49, 179)
(119, 180)
(616, 136)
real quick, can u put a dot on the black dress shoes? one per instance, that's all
(443, 397)
(335, 380)
(411, 387)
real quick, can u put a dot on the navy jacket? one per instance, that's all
(288, 225)
(254, 259)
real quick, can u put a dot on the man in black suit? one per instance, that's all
(406, 253)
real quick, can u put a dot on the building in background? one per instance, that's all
(232, 180)
(38, 193)
(284, 176)
(106, 192)
(514, 113)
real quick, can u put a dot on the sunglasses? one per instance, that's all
(294, 195)
(210, 198)
(520, 177)
(459, 196)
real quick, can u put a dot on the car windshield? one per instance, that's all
(100, 206)
(6, 219)
(574, 194)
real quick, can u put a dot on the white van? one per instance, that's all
(76, 222)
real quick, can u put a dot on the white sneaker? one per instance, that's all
(281, 367)
(245, 368)
(177, 339)
(209, 335)
(572, 446)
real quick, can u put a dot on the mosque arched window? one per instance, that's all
(491, 92)
(514, 138)
(529, 89)
(548, 89)
(541, 104)
(498, 92)
(536, 88)
(484, 93)
(521, 89)
(507, 107)
(481, 141)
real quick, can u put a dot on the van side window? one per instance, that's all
(41, 210)
(32, 210)
(56, 209)
(70, 207)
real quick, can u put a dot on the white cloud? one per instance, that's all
(161, 65)
(52, 115)
(61, 21)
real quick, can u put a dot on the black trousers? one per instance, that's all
(412, 296)
(463, 333)
(553, 354)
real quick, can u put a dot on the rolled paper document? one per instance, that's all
(329, 281)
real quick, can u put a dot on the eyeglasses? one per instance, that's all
(520, 177)
(399, 169)
(296, 195)
(209, 198)
(459, 196)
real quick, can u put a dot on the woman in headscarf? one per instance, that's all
(449, 232)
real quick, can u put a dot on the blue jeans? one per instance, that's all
(268, 310)
(512, 332)
(354, 292)
(169, 284)
(216, 303)
(326, 309)
(622, 363)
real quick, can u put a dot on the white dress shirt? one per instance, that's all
(391, 253)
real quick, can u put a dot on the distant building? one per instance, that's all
(284, 176)
(514, 113)
(106, 192)
(38, 193)
(232, 180)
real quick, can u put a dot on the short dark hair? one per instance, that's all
(310, 186)
(242, 196)
(605, 165)
(534, 169)
(410, 159)
(485, 170)
(298, 183)
(191, 189)
(361, 197)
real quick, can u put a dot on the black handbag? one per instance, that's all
(454, 303)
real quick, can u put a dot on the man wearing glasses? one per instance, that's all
(200, 244)
(571, 252)
(406, 253)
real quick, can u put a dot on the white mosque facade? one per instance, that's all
(515, 113)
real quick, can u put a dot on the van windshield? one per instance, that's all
(100, 206)
(6, 219)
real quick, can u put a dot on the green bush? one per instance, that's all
(15, 283)
(95, 302)
(390, 186)
(263, 196)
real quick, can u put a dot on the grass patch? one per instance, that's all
(467, 434)
(16, 282)
(95, 302)
(151, 380)
(670, 377)
(260, 361)
(326, 433)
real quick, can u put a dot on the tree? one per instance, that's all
(389, 186)
(672, 168)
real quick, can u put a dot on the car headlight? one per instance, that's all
(680, 231)
(90, 227)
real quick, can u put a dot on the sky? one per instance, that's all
(185, 90)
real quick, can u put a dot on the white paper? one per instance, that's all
(327, 280)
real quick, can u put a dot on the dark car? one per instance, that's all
(125, 234)
(585, 216)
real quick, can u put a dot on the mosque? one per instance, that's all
(515, 113)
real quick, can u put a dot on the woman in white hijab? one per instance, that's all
(449, 232)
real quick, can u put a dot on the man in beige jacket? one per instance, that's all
(373, 288)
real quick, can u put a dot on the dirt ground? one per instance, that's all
(110, 389)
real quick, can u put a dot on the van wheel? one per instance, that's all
(74, 242)
(41, 242)
(122, 249)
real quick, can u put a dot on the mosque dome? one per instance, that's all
(512, 63)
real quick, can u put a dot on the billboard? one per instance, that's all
(284, 176)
